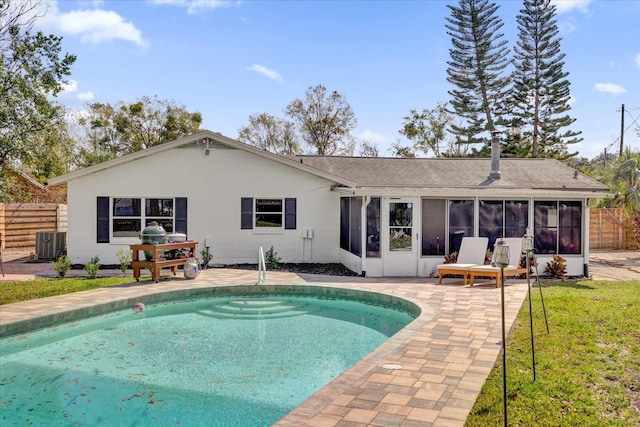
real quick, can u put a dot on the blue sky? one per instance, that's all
(231, 59)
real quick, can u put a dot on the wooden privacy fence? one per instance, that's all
(19, 223)
(610, 229)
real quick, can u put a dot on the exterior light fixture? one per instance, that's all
(527, 241)
(501, 254)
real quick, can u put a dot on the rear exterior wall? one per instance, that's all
(213, 185)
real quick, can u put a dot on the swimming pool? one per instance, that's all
(226, 359)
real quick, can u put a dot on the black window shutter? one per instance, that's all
(102, 214)
(290, 214)
(180, 225)
(246, 213)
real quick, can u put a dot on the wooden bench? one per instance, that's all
(156, 263)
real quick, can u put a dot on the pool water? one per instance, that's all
(221, 361)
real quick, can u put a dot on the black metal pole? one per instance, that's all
(504, 352)
(544, 310)
(533, 347)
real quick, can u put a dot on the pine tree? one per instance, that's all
(479, 57)
(540, 94)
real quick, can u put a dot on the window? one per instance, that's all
(433, 226)
(498, 218)
(400, 226)
(268, 214)
(558, 227)
(160, 211)
(124, 217)
(373, 228)
(460, 222)
(351, 224)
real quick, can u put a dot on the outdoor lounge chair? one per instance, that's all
(513, 269)
(473, 251)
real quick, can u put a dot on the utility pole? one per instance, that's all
(621, 129)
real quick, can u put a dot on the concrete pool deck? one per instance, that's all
(428, 374)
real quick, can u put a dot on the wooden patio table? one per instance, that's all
(155, 264)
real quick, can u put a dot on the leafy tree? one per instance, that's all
(540, 96)
(32, 70)
(400, 150)
(427, 129)
(626, 182)
(325, 121)
(271, 134)
(100, 140)
(152, 121)
(55, 155)
(111, 131)
(479, 57)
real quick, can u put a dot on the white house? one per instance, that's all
(377, 216)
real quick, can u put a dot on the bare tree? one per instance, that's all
(368, 149)
(271, 134)
(325, 121)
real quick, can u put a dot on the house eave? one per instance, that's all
(472, 192)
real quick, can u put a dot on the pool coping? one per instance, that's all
(428, 374)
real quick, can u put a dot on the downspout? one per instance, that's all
(586, 238)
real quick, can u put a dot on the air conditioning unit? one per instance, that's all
(50, 244)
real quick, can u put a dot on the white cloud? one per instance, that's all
(371, 136)
(85, 96)
(74, 116)
(91, 25)
(567, 25)
(563, 6)
(612, 88)
(636, 60)
(196, 6)
(70, 87)
(266, 72)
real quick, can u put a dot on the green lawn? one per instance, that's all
(587, 367)
(47, 287)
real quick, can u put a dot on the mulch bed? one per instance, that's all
(332, 269)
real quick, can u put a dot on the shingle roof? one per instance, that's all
(532, 174)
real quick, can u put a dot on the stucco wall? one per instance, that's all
(214, 185)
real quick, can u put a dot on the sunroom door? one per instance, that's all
(400, 257)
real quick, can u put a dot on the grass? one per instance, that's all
(11, 292)
(587, 366)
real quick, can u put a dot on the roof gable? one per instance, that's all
(204, 139)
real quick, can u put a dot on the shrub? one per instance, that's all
(207, 256)
(93, 266)
(124, 259)
(556, 268)
(271, 259)
(62, 265)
